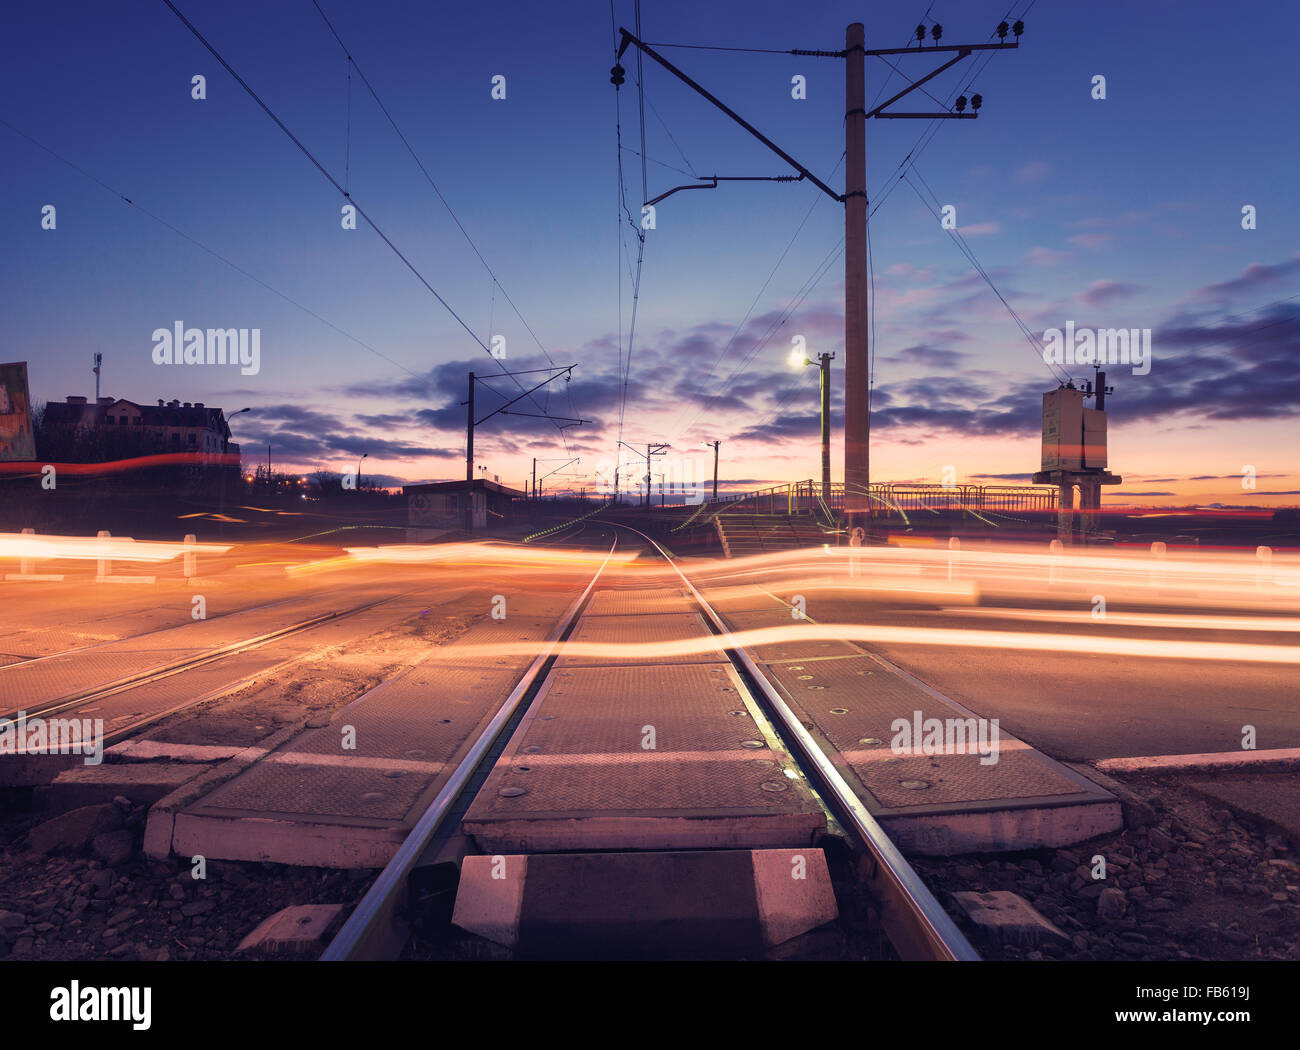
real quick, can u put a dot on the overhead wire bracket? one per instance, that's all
(710, 182)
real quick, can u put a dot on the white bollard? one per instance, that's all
(26, 567)
(105, 564)
(191, 557)
(1265, 557)
(855, 540)
(1158, 551)
(25, 564)
(1056, 547)
(954, 544)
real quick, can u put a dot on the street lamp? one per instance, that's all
(363, 456)
(713, 445)
(224, 464)
(798, 358)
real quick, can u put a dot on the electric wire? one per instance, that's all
(496, 282)
(341, 190)
(677, 428)
(211, 251)
(969, 253)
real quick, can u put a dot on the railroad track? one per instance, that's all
(73, 701)
(912, 918)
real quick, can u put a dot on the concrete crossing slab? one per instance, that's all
(317, 801)
(660, 757)
(647, 629)
(917, 758)
(347, 794)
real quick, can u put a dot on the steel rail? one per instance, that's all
(156, 674)
(371, 932)
(32, 661)
(915, 921)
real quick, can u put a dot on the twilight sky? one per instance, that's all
(1123, 212)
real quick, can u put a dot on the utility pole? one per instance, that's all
(857, 432)
(650, 450)
(715, 445)
(825, 360)
(857, 426)
(471, 423)
(99, 361)
(469, 459)
(559, 459)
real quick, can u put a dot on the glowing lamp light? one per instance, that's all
(798, 358)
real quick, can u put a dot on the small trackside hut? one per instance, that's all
(439, 507)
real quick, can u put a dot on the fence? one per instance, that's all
(888, 499)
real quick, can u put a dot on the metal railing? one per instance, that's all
(887, 499)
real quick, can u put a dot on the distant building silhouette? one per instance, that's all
(77, 430)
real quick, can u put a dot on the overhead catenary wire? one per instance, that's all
(922, 142)
(969, 253)
(496, 282)
(347, 140)
(662, 164)
(870, 260)
(931, 130)
(335, 183)
(809, 285)
(211, 251)
(322, 169)
(626, 356)
(667, 131)
(677, 427)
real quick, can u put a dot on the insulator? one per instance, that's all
(961, 103)
(920, 32)
(976, 101)
(1018, 28)
(936, 31)
(616, 76)
(1002, 30)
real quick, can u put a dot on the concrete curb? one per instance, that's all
(161, 825)
(1212, 760)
